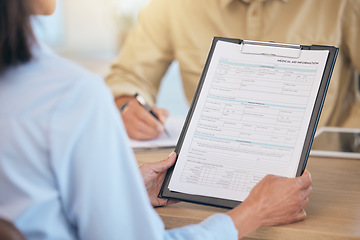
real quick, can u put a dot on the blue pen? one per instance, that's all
(141, 100)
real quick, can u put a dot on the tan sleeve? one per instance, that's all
(351, 32)
(145, 56)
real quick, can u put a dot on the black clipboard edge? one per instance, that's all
(164, 191)
(319, 103)
(217, 202)
(198, 89)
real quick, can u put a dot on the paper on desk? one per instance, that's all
(173, 127)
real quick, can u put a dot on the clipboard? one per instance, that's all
(267, 50)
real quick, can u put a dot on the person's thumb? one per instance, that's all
(165, 164)
(305, 180)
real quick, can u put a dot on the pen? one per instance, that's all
(123, 107)
(141, 100)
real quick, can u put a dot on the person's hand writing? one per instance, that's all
(139, 123)
(274, 200)
(153, 175)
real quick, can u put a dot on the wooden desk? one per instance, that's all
(333, 212)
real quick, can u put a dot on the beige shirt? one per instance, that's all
(183, 30)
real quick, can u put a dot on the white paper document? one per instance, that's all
(250, 120)
(173, 126)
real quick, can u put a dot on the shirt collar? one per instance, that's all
(226, 3)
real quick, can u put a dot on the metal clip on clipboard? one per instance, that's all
(272, 49)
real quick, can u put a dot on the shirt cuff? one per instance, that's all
(217, 227)
(221, 225)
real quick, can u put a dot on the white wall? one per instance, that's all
(90, 27)
(87, 27)
(89, 32)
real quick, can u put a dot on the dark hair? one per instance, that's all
(16, 35)
(7, 230)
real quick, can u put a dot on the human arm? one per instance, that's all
(350, 32)
(144, 59)
(274, 200)
(100, 188)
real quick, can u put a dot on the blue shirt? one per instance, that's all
(66, 169)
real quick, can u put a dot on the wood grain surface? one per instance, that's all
(333, 211)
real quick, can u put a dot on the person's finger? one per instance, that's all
(300, 216)
(304, 181)
(304, 203)
(141, 131)
(135, 111)
(146, 117)
(138, 130)
(164, 202)
(306, 192)
(161, 113)
(171, 201)
(165, 164)
(135, 125)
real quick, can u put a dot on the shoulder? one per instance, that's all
(58, 69)
(64, 72)
(49, 80)
(74, 86)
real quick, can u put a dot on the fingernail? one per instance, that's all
(171, 154)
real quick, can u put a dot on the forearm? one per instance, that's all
(246, 218)
(145, 56)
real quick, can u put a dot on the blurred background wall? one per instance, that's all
(90, 32)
